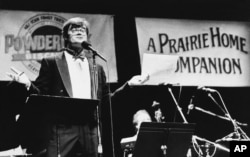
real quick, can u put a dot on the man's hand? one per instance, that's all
(19, 77)
(138, 80)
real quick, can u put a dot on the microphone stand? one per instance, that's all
(95, 87)
(215, 144)
(177, 105)
(194, 137)
(210, 95)
(238, 132)
(215, 115)
(182, 115)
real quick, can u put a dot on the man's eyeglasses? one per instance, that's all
(79, 29)
(76, 28)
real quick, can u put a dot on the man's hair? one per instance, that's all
(141, 116)
(74, 21)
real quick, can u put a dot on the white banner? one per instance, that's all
(26, 37)
(210, 53)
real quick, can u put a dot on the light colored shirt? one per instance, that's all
(79, 76)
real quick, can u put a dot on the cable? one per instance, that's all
(110, 109)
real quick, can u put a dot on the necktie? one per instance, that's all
(75, 55)
(80, 56)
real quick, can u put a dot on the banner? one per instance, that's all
(26, 37)
(210, 53)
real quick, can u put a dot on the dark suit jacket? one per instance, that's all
(54, 79)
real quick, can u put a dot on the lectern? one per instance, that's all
(163, 139)
(41, 111)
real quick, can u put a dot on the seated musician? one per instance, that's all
(139, 117)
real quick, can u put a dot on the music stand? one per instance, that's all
(163, 139)
(41, 111)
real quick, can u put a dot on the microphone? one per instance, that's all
(88, 46)
(155, 105)
(210, 90)
(190, 107)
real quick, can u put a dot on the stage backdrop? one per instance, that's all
(26, 37)
(195, 52)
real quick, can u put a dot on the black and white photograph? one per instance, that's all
(91, 78)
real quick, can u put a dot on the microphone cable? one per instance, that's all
(110, 109)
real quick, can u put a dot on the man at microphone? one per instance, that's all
(69, 74)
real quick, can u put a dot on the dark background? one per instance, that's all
(236, 99)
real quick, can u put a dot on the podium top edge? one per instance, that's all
(61, 97)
